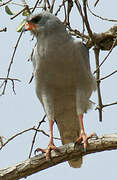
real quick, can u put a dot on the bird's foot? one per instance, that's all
(83, 138)
(47, 150)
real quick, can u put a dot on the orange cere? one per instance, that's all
(29, 26)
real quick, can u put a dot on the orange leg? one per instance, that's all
(51, 145)
(83, 136)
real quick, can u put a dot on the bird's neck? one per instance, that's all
(47, 45)
(51, 38)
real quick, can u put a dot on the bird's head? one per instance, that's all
(43, 23)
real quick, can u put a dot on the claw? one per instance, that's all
(47, 150)
(50, 147)
(85, 150)
(84, 138)
(94, 136)
(39, 149)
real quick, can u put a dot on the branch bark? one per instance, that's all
(105, 40)
(63, 153)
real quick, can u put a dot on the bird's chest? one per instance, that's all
(56, 66)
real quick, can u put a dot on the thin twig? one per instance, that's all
(60, 6)
(26, 6)
(111, 104)
(65, 14)
(35, 6)
(3, 30)
(82, 16)
(96, 3)
(42, 131)
(14, 136)
(113, 45)
(87, 22)
(79, 9)
(31, 78)
(100, 17)
(13, 86)
(22, 132)
(34, 137)
(11, 62)
(76, 33)
(10, 79)
(3, 4)
(44, 5)
(18, 13)
(2, 141)
(52, 6)
(2, 85)
(69, 8)
(31, 55)
(107, 76)
(48, 3)
(100, 105)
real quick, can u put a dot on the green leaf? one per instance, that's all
(8, 11)
(1, 0)
(21, 25)
(25, 13)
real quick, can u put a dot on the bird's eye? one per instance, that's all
(36, 19)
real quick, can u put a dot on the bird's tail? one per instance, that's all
(69, 128)
(75, 163)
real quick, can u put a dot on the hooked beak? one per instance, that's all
(30, 26)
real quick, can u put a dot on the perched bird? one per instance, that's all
(63, 79)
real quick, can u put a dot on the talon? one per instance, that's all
(51, 145)
(39, 149)
(85, 150)
(47, 150)
(93, 135)
(83, 138)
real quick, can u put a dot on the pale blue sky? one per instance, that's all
(23, 110)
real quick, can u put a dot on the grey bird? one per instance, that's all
(63, 79)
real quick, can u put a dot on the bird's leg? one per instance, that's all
(51, 145)
(83, 136)
(82, 132)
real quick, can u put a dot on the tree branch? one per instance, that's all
(10, 64)
(3, 4)
(34, 137)
(64, 153)
(3, 30)
(100, 105)
(100, 17)
(106, 40)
